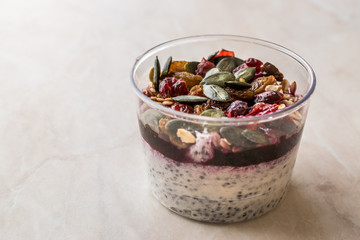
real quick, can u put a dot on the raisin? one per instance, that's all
(269, 69)
(190, 79)
(177, 66)
(243, 94)
(182, 108)
(269, 97)
(237, 108)
(203, 67)
(258, 85)
(197, 90)
(172, 87)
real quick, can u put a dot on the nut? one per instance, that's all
(185, 136)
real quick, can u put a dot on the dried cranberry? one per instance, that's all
(253, 62)
(203, 67)
(182, 108)
(269, 97)
(238, 68)
(262, 109)
(172, 87)
(237, 108)
(223, 53)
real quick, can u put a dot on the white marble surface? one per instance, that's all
(71, 164)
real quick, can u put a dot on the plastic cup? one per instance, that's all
(235, 169)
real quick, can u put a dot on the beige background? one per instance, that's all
(71, 163)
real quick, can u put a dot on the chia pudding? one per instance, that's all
(220, 135)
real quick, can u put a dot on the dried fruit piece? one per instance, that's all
(191, 67)
(203, 67)
(269, 97)
(216, 93)
(293, 88)
(237, 84)
(269, 69)
(177, 66)
(253, 62)
(222, 53)
(190, 79)
(218, 79)
(259, 85)
(171, 87)
(213, 113)
(262, 109)
(185, 136)
(190, 99)
(182, 107)
(197, 90)
(243, 94)
(202, 151)
(237, 108)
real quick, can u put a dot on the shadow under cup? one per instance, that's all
(207, 180)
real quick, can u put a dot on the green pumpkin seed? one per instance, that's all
(151, 118)
(211, 72)
(191, 67)
(238, 61)
(246, 73)
(218, 79)
(156, 77)
(173, 125)
(227, 64)
(212, 55)
(237, 84)
(213, 113)
(190, 99)
(166, 67)
(255, 136)
(216, 93)
(234, 136)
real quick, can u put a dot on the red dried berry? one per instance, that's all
(253, 62)
(262, 109)
(182, 108)
(236, 108)
(238, 68)
(269, 97)
(203, 67)
(223, 53)
(172, 87)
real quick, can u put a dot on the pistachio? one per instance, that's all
(156, 77)
(191, 67)
(227, 64)
(246, 73)
(185, 136)
(151, 118)
(213, 113)
(190, 99)
(216, 93)
(166, 67)
(218, 79)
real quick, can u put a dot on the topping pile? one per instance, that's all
(221, 85)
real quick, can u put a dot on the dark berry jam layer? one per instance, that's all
(243, 158)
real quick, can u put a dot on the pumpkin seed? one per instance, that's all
(212, 55)
(156, 77)
(246, 73)
(173, 125)
(211, 72)
(238, 61)
(216, 93)
(218, 79)
(255, 136)
(227, 64)
(237, 84)
(166, 68)
(191, 67)
(213, 113)
(234, 136)
(151, 118)
(190, 99)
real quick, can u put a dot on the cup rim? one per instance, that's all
(240, 121)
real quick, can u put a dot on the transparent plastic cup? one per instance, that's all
(218, 177)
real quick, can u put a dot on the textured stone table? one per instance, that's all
(70, 152)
